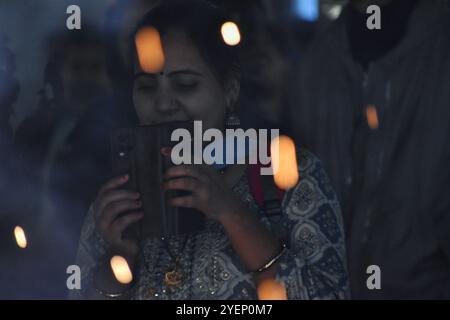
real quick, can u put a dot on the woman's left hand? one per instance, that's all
(209, 192)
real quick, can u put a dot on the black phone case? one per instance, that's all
(137, 152)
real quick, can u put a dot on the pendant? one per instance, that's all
(173, 278)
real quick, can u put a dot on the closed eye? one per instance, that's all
(146, 86)
(187, 85)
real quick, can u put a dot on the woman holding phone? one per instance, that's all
(239, 248)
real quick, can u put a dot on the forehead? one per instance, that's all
(180, 52)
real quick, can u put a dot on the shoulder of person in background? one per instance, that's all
(36, 129)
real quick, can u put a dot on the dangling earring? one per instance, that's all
(232, 120)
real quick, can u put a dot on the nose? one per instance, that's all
(167, 105)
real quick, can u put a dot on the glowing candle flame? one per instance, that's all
(230, 33)
(284, 162)
(270, 289)
(150, 50)
(121, 270)
(21, 239)
(372, 117)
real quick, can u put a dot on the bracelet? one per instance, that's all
(108, 294)
(273, 260)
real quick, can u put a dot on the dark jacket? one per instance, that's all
(393, 181)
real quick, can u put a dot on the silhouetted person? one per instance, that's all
(9, 215)
(374, 105)
(65, 146)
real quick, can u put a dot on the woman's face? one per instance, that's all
(186, 89)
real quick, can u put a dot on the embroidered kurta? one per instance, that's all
(314, 266)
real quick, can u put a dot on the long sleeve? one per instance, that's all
(91, 249)
(441, 203)
(315, 264)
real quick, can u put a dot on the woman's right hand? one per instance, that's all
(111, 202)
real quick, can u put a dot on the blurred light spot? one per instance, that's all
(21, 239)
(121, 269)
(332, 11)
(307, 10)
(372, 117)
(230, 33)
(270, 289)
(284, 161)
(149, 49)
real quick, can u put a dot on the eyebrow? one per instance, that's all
(170, 74)
(185, 71)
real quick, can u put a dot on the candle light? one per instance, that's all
(372, 117)
(149, 49)
(270, 289)
(284, 162)
(121, 270)
(21, 239)
(230, 33)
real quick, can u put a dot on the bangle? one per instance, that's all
(108, 294)
(273, 260)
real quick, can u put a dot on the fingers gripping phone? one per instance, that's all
(137, 152)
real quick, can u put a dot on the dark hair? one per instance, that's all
(202, 23)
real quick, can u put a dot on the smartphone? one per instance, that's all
(137, 152)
